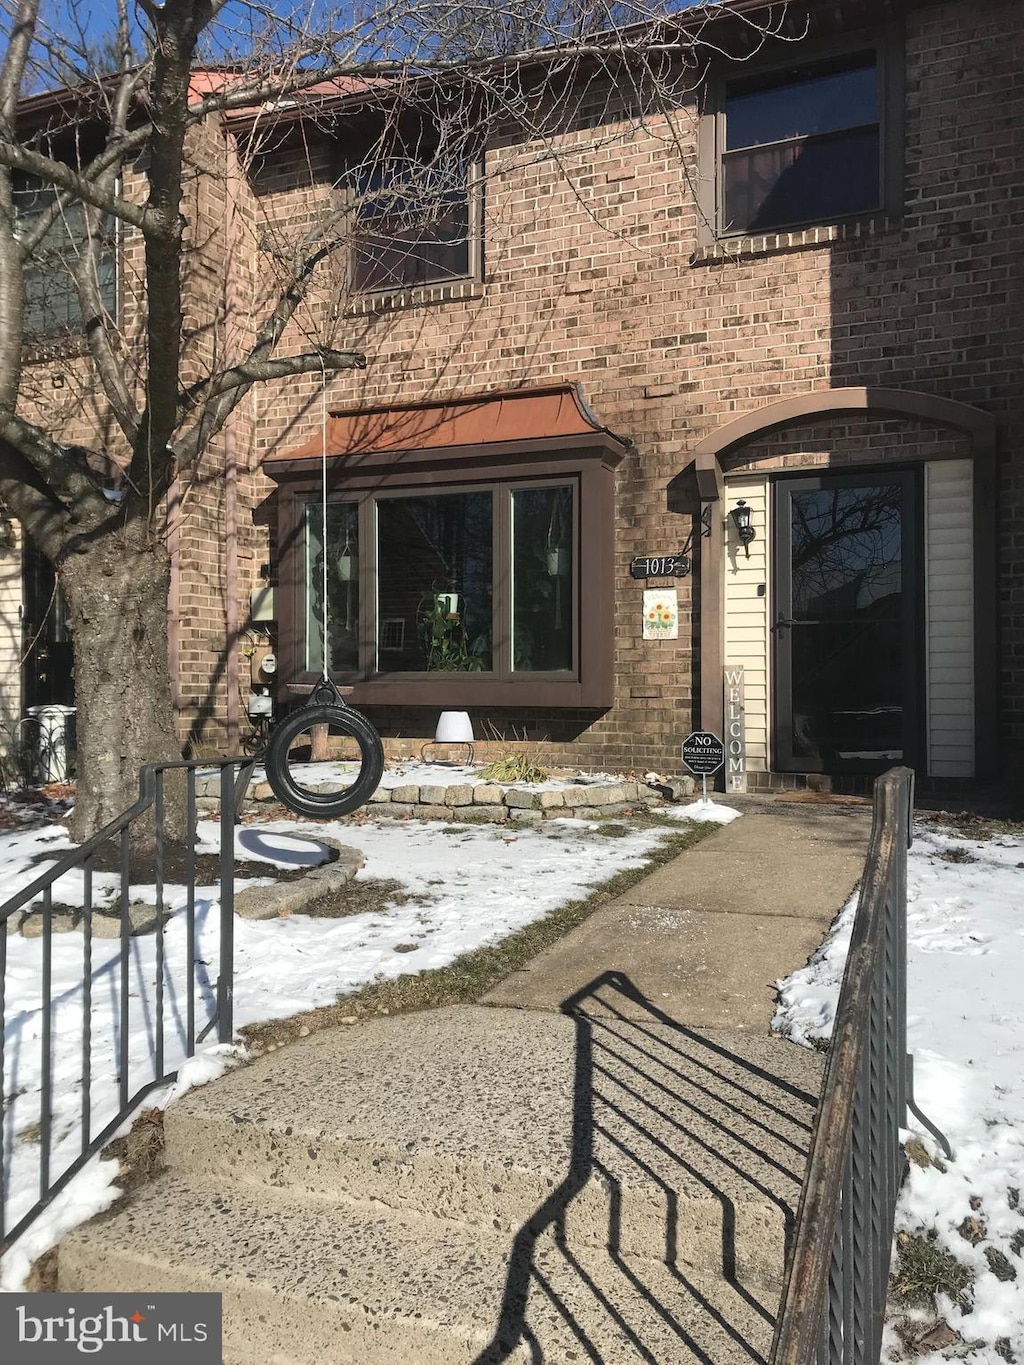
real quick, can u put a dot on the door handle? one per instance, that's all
(782, 623)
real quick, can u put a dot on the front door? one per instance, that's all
(845, 623)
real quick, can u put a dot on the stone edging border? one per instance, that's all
(483, 803)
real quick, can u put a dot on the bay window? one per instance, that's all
(468, 558)
(475, 580)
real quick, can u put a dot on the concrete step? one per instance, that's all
(659, 1141)
(305, 1282)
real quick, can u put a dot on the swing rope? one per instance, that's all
(323, 524)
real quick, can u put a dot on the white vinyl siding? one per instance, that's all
(10, 641)
(746, 614)
(949, 617)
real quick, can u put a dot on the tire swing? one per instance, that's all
(290, 768)
(323, 722)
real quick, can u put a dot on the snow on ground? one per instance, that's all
(468, 886)
(965, 931)
(704, 811)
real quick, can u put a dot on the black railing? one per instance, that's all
(90, 1030)
(833, 1304)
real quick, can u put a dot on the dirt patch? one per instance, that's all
(363, 896)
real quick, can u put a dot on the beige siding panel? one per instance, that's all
(10, 641)
(949, 617)
(746, 614)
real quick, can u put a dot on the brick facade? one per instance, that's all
(594, 272)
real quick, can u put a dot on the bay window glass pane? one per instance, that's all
(542, 579)
(435, 583)
(342, 587)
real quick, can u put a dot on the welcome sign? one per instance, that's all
(735, 731)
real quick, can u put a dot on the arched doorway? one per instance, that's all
(874, 517)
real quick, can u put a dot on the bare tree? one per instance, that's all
(98, 149)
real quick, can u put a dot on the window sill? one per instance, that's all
(800, 239)
(386, 302)
(468, 689)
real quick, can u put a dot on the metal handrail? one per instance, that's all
(833, 1301)
(116, 1069)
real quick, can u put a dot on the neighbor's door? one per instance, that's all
(48, 674)
(847, 623)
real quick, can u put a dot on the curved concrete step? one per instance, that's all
(304, 1282)
(660, 1141)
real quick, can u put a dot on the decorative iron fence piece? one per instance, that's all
(833, 1303)
(160, 1000)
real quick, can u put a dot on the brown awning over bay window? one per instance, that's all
(506, 419)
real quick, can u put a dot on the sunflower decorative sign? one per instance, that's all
(661, 614)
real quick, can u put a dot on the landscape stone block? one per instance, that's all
(520, 816)
(458, 796)
(479, 815)
(432, 812)
(602, 812)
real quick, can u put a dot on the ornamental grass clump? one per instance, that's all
(514, 768)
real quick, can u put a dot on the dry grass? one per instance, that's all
(140, 1152)
(513, 767)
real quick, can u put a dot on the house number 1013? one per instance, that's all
(660, 566)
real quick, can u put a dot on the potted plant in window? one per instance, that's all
(446, 642)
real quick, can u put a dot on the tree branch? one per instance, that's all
(45, 168)
(51, 462)
(95, 320)
(12, 72)
(228, 389)
(253, 371)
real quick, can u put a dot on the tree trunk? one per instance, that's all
(117, 601)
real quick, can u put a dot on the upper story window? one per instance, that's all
(417, 218)
(802, 146)
(795, 145)
(52, 304)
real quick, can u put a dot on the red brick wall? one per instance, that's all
(588, 278)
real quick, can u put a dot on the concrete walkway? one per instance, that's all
(600, 1164)
(706, 937)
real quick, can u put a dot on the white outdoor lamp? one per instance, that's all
(453, 727)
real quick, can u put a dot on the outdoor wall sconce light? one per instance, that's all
(741, 517)
(453, 727)
(8, 536)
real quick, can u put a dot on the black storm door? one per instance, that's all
(846, 623)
